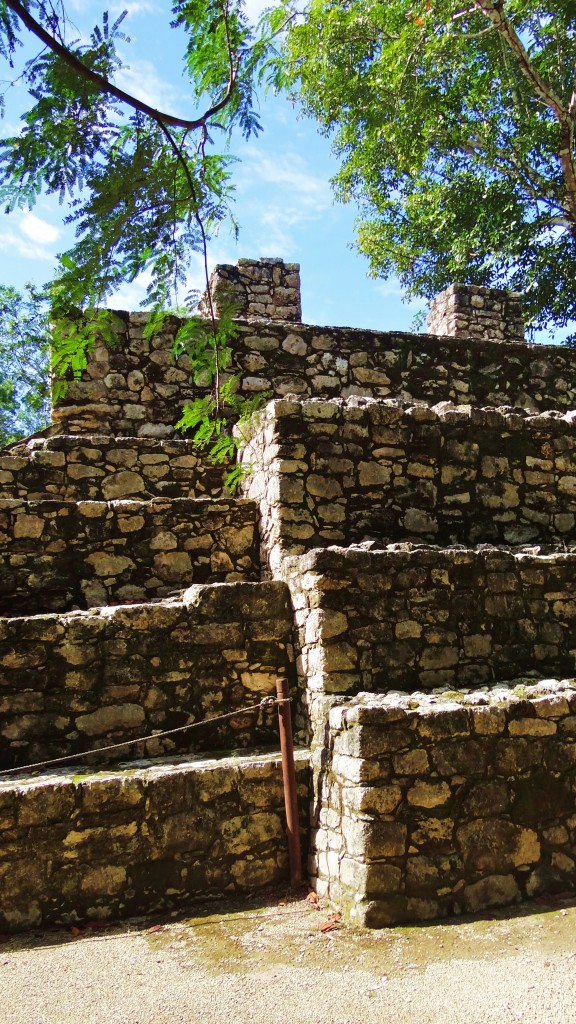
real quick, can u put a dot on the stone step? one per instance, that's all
(60, 555)
(138, 388)
(338, 472)
(429, 806)
(102, 468)
(414, 617)
(80, 681)
(81, 845)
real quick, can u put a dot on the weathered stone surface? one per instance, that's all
(495, 891)
(197, 833)
(126, 672)
(461, 493)
(473, 311)
(365, 363)
(450, 795)
(131, 550)
(444, 592)
(446, 823)
(101, 467)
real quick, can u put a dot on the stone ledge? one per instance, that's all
(144, 837)
(417, 617)
(58, 554)
(296, 358)
(102, 467)
(81, 680)
(549, 698)
(432, 805)
(340, 471)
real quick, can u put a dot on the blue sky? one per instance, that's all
(284, 204)
(283, 201)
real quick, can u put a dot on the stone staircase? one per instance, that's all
(131, 605)
(431, 557)
(430, 554)
(413, 502)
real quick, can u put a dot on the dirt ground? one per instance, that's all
(281, 960)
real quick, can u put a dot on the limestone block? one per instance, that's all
(28, 526)
(122, 484)
(428, 794)
(494, 891)
(375, 839)
(493, 845)
(105, 564)
(110, 718)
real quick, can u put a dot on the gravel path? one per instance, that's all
(271, 962)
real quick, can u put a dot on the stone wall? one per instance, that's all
(76, 682)
(138, 388)
(431, 806)
(101, 468)
(260, 288)
(341, 471)
(153, 838)
(420, 617)
(477, 313)
(60, 555)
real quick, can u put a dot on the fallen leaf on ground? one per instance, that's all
(312, 898)
(154, 928)
(332, 922)
(74, 931)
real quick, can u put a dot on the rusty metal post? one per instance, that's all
(289, 777)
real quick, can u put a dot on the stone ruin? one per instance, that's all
(403, 550)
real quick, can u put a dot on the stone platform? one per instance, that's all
(403, 549)
(86, 844)
(59, 555)
(434, 805)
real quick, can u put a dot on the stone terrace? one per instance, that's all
(416, 506)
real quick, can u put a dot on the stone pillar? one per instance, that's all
(477, 313)
(266, 288)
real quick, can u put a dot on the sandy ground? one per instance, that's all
(270, 962)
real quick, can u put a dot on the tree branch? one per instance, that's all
(509, 162)
(493, 9)
(103, 85)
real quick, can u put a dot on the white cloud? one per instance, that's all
(135, 7)
(130, 295)
(393, 289)
(280, 195)
(142, 80)
(254, 8)
(289, 172)
(30, 237)
(14, 243)
(38, 230)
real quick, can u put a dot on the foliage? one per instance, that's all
(207, 420)
(24, 363)
(143, 189)
(455, 123)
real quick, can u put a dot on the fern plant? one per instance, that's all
(208, 420)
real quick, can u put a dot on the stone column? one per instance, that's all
(266, 288)
(477, 313)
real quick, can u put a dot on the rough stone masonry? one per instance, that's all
(403, 551)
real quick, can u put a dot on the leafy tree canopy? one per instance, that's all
(142, 185)
(24, 359)
(455, 122)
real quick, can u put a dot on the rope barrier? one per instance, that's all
(266, 702)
